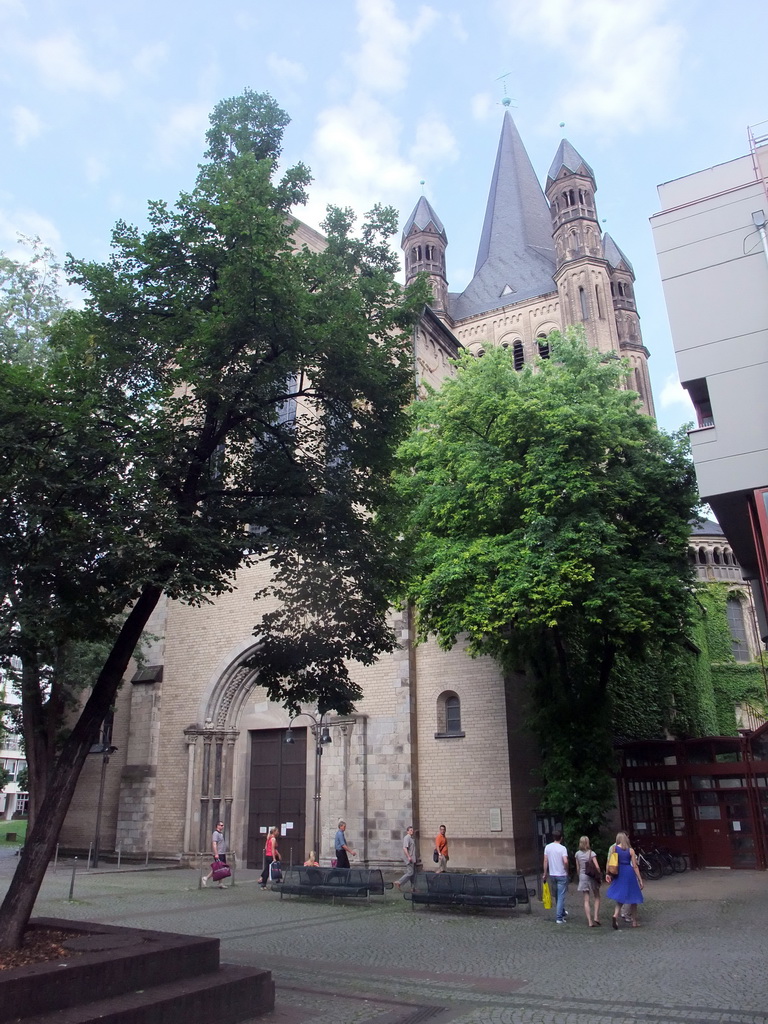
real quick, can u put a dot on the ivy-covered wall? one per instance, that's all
(691, 691)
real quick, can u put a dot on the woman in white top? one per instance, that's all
(588, 885)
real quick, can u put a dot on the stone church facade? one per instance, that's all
(438, 737)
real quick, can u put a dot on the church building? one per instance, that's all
(438, 738)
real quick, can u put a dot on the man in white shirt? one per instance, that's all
(556, 873)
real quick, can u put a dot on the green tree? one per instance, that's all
(30, 303)
(223, 398)
(546, 520)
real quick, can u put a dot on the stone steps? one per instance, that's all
(132, 976)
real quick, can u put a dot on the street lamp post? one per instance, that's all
(105, 751)
(322, 735)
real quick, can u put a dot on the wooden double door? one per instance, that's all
(277, 794)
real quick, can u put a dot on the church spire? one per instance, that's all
(516, 257)
(424, 242)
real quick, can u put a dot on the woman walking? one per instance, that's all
(270, 853)
(628, 884)
(589, 884)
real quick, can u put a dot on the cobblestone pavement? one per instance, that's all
(699, 956)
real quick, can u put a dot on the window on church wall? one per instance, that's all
(703, 556)
(613, 290)
(429, 252)
(518, 355)
(416, 253)
(583, 304)
(738, 627)
(692, 556)
(543, 344)
(448, 715)
(597, 302)
(716, 556)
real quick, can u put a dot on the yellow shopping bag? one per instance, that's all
(546, 896)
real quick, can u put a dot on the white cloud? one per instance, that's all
(482, 106)
(618, 62)
(674, 394)
(26, 125)
(289, 70)
(95, 170)
(381, 63)
(149, 59)
(61, 60)
(184, 126)
(356, 158)
(434, 142)
(30, 223)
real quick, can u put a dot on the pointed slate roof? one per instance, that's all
(420, 219)
(566, 156)
(614, 255)
(516, 258)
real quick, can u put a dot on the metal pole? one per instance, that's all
(72, 882)
(97, 840)
(318, 764)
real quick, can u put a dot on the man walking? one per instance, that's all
(409, 856)
(441, 845)
(218, 849)
(342, 850)
(556, 872)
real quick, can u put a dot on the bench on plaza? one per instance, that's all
(360, 883)
(484, 891)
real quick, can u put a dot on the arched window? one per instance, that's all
(692, 556)
(518, 355)
(543, 346)
(429, 252)
(597, 301)
(727, 557)
(702, 556)
(583, 304)
(716, 556)
(735, 611)
(448, 715)
(416, 253)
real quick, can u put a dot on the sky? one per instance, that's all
(104, 107)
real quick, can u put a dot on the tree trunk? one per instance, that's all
(20, 899)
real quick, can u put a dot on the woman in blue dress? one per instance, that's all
(627, 886)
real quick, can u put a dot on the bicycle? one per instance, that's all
(649, 865)
(677, 862)
(664, 858)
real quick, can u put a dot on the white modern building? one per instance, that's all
(712, 246)
(13, 798)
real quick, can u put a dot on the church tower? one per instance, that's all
(628, 320)
(424, 243)
(582, 275)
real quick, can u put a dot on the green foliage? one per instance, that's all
(160, 445)
(30, 303)
(546, 519)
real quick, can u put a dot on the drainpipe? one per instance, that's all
(758, 219)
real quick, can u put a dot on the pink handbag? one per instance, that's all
(219, 871)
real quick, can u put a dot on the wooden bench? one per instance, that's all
(360, 883)
(484, 891)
